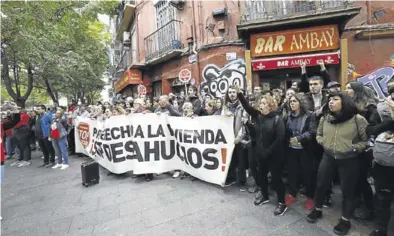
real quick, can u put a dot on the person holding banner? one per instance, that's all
(166, 107)
(237, 170)
(187, 112)
(270, 148)
(193, 98)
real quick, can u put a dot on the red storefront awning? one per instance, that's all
(131, 76)
(295, 61)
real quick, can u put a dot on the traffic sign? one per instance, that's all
(141, 90)
(185, 75)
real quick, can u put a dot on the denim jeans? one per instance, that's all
(9, 146)
(60, 146)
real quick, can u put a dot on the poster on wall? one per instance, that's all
(151, 143)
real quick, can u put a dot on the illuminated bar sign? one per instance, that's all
(295, 41)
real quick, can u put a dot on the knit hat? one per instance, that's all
(333, 84)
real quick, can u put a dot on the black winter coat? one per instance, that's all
(270, 131)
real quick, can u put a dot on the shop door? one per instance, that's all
(156, 89)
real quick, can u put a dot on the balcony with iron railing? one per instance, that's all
(258, 13)
(164, 43)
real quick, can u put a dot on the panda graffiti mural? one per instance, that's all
(217, 80)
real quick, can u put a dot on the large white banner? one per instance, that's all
(151, 143)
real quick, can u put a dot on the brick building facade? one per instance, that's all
(370, 51)
(214, 42)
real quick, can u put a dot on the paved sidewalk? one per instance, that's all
(39, 201)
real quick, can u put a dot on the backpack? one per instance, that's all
(383, 150)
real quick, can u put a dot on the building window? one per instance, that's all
(156, 89)
(164, 15)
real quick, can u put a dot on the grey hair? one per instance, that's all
(187, 104)
(164, 97)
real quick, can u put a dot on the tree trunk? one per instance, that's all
(51, 92)
(19, 100)
(30, 78)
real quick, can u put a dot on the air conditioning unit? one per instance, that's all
(126, 39)
(178, 4)
(219, 12)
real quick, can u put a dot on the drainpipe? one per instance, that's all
(137, 36)
(195, 41)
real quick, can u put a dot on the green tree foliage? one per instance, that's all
(56, 45)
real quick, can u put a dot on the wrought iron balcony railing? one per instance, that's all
(278, 9)
(164, 40)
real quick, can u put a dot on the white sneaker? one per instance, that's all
(64, 166)
(42, 157)
(176, 174)
(57, 166)
(15, 163)
(24, 163)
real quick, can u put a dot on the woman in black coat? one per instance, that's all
(270, 132)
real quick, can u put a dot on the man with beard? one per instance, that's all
(195, 101)
(233, 107)
(257, 91)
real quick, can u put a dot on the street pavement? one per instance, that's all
(39, 201)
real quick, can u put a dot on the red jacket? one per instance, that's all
(6, 125)
(24, 120)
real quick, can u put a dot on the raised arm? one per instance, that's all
(248, 108)
(324, 74)
(303, 86)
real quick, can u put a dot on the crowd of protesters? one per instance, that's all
(313, 133)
